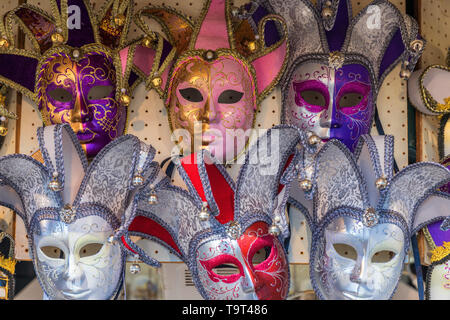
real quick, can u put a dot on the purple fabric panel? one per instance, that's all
(132, 79)
(336, 36)
(84, 35)
(58, 3)
(393, 52)
(21, 70)
(167, 47)
(437, 234)
(271, 35)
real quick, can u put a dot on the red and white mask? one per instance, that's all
(253, 267)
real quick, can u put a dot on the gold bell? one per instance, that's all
(147, 42)
(381, 183)
(416, 45)
(125, 99)
(327, 12)
(405, 74)
(306, 185)
(119, 20)
(4, 43)
(313, 140)
(157, 82)
(3, 130)
(54, 183)
(252, 46)
(57, 38)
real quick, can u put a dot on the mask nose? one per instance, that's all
(210, 113)
(73, 275)
(359, 272)
(330, 118)
(80, 112)
(250, 282)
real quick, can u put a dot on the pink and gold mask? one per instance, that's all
(259, 263)
(82, 93)
(211, 100)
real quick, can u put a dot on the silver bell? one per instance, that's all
(153, 199)
(135, 268)
(204, 215)
(138, 179)
(274, 230)
(54, 183)
(381, 183)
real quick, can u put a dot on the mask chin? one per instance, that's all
(76, 261)
(354, 262)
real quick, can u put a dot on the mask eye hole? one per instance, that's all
(313, 97)
(261, 255)
(345, 250)
(90, 250)
(53, 252)
(191, 94)
(61, 95)
(351, 99)
(383, 256)
(226, 269)
(230, 96)
(100, 92)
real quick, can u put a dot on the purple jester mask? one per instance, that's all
(332, 103)
(82, 93)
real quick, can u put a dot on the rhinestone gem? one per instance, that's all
(234, 230)
(370, 218)
(76, 53)
(67, 214)
(111, 240)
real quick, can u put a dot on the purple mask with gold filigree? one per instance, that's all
(83, 66)
(82, 94)
(337, 63)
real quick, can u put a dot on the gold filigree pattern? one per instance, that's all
(440, 252)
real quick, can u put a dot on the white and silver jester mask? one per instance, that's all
(363, 217)
(221, 223)
(72, 211)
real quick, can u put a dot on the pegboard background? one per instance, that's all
(435, 28)
(148, 117)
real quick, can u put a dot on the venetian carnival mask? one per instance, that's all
(334, 104)
(84, 74)
(222, 225)
(337, 64)
(219, 74)
(73, 212)
(363, 217)
(82, 93)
